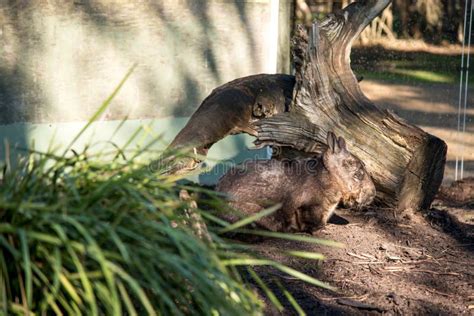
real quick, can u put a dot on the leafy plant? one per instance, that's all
(91, 234)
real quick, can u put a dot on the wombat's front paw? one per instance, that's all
(317, 229)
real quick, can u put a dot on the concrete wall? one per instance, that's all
(60, 59)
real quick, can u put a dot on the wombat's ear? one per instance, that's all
(331, 141)
(341, 142)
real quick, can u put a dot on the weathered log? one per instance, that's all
(406, 163)
(233, 108)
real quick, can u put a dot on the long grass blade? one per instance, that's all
(48, 290)
(118, 128)
(20, 309)
(136, 288)
(290, 271)
(269, 293)
(101, 109)
(306, 254)
(131, 138)
(71, 289)
(3, 284)
(302, 276)
(250, 219)
(126, 299)
(86, 283)
(27, 266)
(95, 250)
(292, 300)
(293, 237)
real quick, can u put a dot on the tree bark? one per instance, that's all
(230, 109)
(406, 163)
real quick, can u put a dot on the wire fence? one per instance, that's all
(463, 89)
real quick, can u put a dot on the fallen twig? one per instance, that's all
(437, 273)
(356, 255)
(436, 292)
(354, 297)
(395, 268)
(416, 261)
(368, 256)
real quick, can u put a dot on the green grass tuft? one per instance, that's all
(99, 234)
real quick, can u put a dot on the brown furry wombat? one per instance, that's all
(309, 189)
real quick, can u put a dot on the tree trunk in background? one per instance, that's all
(406, 163)
(453, 19)
(430, 20)
(303, 12)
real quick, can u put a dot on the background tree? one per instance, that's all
(433, 21)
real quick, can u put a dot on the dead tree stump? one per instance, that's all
(406, 163)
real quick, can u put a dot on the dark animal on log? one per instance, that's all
(405, 163)
(309, 190)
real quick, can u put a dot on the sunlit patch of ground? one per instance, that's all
(410, 62)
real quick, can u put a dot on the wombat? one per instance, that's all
(308, 189)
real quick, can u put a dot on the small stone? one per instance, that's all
(394, 298)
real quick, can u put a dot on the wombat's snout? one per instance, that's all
(361, 197)
(367, 194)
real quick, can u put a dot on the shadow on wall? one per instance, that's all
(17, 84)
(61, 60)
(196, 41)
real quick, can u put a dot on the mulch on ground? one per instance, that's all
(393, 262)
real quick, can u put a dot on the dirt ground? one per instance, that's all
(398, 264)
(392, 263)
(411, 263)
